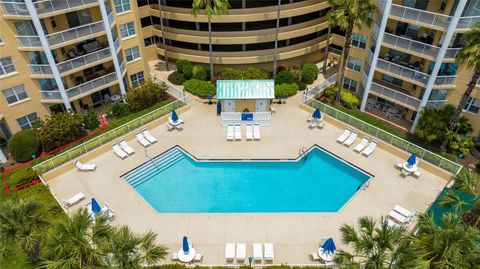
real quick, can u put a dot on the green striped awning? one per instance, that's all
(245, 89)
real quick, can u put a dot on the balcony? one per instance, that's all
(51, 96)
(417, 48)
(29, 42)
(84, 61)
(91, 86)
(394, 96)
(14, 9)
(75, 34)
(420, 17)
(436, 103)
(46, 7)
(42, 70)
(467, 23)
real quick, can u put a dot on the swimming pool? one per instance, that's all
(175, 182)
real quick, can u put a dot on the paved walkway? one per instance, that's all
(294, 235)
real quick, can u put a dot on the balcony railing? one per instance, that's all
(40, 69)
(75, 33)
(394, 95)
(12, 8)
(420, 16)
(29, 41)
(418, 47)
(335, 51)
(403, 71)
(91, 85)
(111, 20)
(116, 44)
(51, 95)
(364, 78)
(436, 103)
(445, 80)
(467, 22)
(122, 68)
(375, 30)
(84, 60)
(369, 55)
(48, 6)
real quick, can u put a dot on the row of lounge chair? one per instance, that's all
(260, 253)
(400, 216)
(123, 149)
(234, 132)
(348, 137)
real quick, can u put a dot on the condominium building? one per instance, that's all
(79, 54)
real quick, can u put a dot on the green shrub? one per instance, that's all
(183, 66)
(199, 87)
(118, 110)
(348, 99)
(301, 85)
(200, 73)
(91, 120)
(286, 89)
(176, 78)
(21, 176)
(59, 129)
(283, 77)
(296, 74)
(23, 145)
(255, 73)
(331, 92)
(309, 73)
(145, 95)
(230, 74)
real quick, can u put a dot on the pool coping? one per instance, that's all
(363, 187)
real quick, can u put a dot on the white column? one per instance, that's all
(111, 45)
(378, 46)
(438, 61)
(48, 52)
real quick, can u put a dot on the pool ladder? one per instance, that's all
(302, 152)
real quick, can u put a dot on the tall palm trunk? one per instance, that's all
(463, 101)
(210, 48)
(275, 51)
(163, 35)
(346, 51)
(327, 48)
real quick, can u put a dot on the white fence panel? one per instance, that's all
(235, 118)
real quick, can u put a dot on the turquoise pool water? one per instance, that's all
(174, 182)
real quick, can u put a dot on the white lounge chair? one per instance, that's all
(268, 252)
(230, 133)
(351, 139)
(241, 252)
(141, 139)
(362, 145)
(256, 132)
(85, 166)
(370, 149)
(150, 138)
(174, 256)
(107, 210)
(126, 147)
(320, 125)
(74, 199)
(257, 252)
(344, 136)
(249, 132)
(417, 174)
(403, 211)
(229, 252)
(399, 165)
(398, 217)
(238, 132)
(312, 124)
(198, 257)
(315, 256)
(119, 152)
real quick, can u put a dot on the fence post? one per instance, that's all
(85, 148)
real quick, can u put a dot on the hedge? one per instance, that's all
(200, 73)
(199, 88)
(283, 77)
(176, 78)
(185, 67)
(309, 73)
(348, 99)
(23, 145)
(286, 89)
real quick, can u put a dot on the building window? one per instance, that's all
(137, 79)
(27, 121)
(121, 5)
(359, 41)
(472, 105)
(354, 63)
(53, 22)
(132, 53)
(392, 80)
(151, 40)
(15, 94)
(350, 84)
(6, 66)
(127, 29)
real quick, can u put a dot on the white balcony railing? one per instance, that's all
(84, 60)
(369, 55)
(40, 69)
(29, 41)
(75, 33)
(445, 80)
(91, 85)
(13, 8)
(48, 6)
(394, 95)
(467, 22)
(420, 16)
(375, 30)
(116, 44)
(418, 47)
(403, 71)
(51, 95)
(364, 78)
(111, 19)
(436, 103)
(122, 67)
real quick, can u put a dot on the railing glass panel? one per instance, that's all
(29, 42)
(74, 33)
(467, 22)
(51, 95)
(47, 6)
(14, 8)
(421, 16)
(400, 97)
(83, 60)
(40, 69)
(403, 71)
(93, 84)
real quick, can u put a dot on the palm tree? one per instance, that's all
(347, 14)
(275, 51)
(453, 245)
(21, 223)
(375, 245)
(127, 250)
(211, 7)
(469, 54)
(163, 33)
(327, 48)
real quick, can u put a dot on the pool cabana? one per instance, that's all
(244, 101)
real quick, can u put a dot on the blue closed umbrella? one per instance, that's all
(174, 116)
(95, 206)
(186, 248)
(412, 159)
(329, 246)
(316, 114)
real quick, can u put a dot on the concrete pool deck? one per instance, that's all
(294, 235)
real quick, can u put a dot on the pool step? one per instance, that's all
(153, 167)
